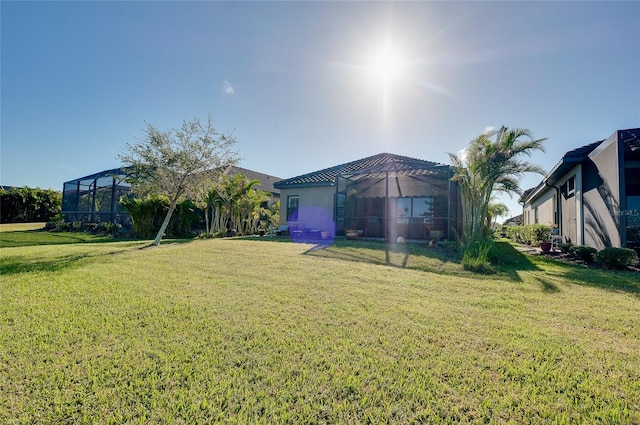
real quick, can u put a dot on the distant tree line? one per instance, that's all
(25, 205)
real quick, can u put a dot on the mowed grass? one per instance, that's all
(27, 234)
(248, 331)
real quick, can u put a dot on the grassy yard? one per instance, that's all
(259, 331)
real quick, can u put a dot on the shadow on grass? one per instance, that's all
(28, 263)
(549, 269)
(411, 256)
(546, 285)
(610, 280)
(510, 261)
(25, 238)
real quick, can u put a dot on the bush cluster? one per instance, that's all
(584, 253)
(148, 213)
(25, 205)
(612, 258)
(477, 256)
(531, 234)
(105, 228)
(616, 258)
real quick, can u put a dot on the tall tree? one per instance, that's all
(235, 202)
(178, 163)
(495, 210)
(492, 163)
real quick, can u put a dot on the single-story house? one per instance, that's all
(381, 196)
(593, 194)
(96, 197)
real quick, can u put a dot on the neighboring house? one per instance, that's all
(513, 221)
(96, 197)
(382, 196)
(592, 194)
(266, 184)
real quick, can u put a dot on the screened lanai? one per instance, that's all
(416, 200)
(95, 198)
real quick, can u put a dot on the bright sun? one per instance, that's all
(386, 64)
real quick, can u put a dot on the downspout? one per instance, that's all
(387, 223)
(449, 203)
(335, 207)
(558, 215)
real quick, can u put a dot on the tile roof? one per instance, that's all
(266, 181)
(379, 163)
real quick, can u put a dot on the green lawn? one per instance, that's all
(26, 234)
(259, 331)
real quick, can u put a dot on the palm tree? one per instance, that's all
(234, 201)
(495, 210)
(492, 163)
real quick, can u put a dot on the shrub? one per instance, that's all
(25, 204)
(616, 258)
(565, 247)
(477, 265)
(104, 228)
(454, 246)
(477, 256)
(539, 233)
(584, 253)
(531, 234)
(501, 232)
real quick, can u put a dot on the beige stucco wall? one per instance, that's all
(602, 203)
(315, 208)
(544, 202)
(571, 209)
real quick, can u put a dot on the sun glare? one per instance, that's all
(386, 64)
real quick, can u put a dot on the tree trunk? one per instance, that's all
(165, 223)
(206, 220)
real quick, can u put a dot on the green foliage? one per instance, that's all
(501, 231)
(148, 213)
(179, 163)
(235, 204)
(565, 247)
(531, 234)
(26, 205)
(584, 253)
(616, 258)
(104, 228)
(491, 164)
(454, 246)
(185, 218)
(539, 233)
(477, 256)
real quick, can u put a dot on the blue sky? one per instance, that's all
(293, 80)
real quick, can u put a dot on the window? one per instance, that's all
(569, 187)
(423, 207)
(403, 210)
(340, 204)
(418, 207)
(292, 207)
